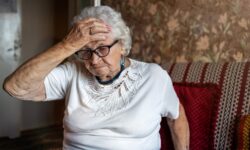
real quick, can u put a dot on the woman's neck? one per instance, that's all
(110, 78)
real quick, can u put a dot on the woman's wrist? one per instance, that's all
(68, 47)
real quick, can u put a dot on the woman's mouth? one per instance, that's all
(97, 67)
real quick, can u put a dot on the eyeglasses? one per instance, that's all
(100, 51)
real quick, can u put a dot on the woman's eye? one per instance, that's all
(84, 52)
(87, 52)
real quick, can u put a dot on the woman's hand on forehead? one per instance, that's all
(98, 26)
(86, 31)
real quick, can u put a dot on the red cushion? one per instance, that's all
(201, 105)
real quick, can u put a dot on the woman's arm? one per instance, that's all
(180, 130)
(27, 82)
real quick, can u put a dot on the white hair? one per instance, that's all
(113, 18)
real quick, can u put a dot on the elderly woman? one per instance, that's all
(112, 102)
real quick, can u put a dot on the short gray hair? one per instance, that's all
(119, 28)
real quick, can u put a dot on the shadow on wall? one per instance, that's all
(187, 30)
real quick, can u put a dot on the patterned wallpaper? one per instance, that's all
(187, 30)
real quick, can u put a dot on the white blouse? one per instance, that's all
(124, 115)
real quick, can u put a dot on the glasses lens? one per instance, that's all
(84, 54)
(103, 51)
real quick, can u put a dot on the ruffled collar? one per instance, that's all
(107, 99)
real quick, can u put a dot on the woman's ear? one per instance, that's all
(123, 51)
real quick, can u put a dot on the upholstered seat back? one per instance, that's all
(233, 80)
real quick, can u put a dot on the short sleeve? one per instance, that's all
(170, 101)
(57, 81)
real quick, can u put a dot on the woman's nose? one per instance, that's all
(94, 59)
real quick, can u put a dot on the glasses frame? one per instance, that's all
(95, 51)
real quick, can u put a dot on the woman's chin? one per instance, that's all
(99, 73)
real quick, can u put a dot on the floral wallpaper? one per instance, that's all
(187, 30)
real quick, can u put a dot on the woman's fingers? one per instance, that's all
(98, 37)
(96, 27)
(96, 32)
(99, 29)
(86, 31)
(91, 22)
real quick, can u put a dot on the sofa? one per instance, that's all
(216, 98)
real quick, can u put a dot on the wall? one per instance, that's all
(37, 25)
(37, 35)
(61, 18)
(188, 30)
(10, 41)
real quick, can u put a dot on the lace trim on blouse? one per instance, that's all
(116, 96)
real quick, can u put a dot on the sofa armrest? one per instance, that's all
(243, 133)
